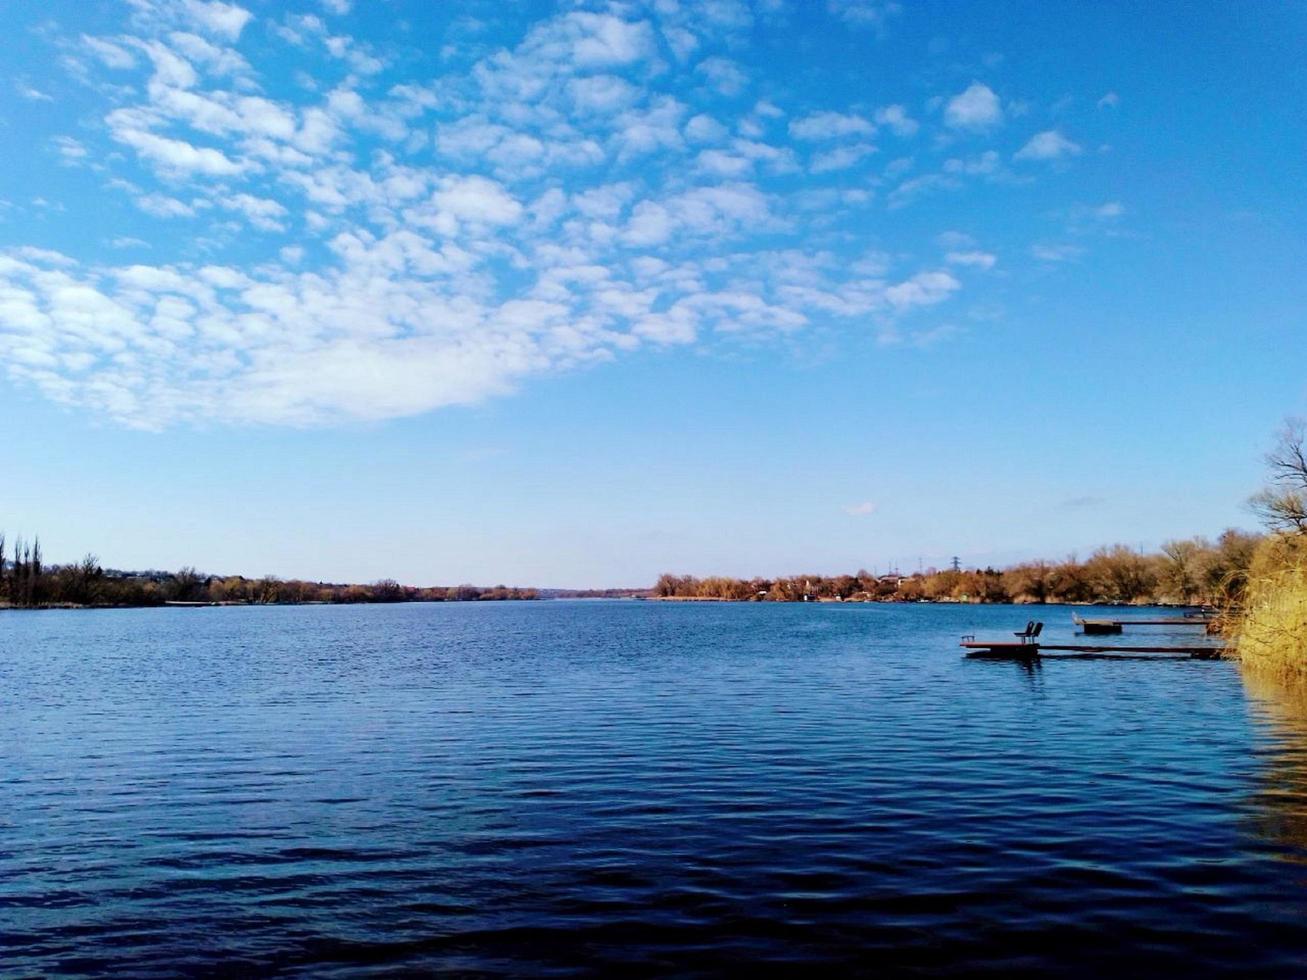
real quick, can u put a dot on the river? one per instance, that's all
(579, 787)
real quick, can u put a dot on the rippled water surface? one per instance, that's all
(627, 787)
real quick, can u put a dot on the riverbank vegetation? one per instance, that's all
(1268, 628)
(1188, 571)
(27, 582)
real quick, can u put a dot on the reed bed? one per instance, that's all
(1269, 633)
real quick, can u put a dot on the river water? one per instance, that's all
(634, 788)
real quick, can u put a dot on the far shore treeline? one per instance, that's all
(1193, 570)
(27, 583)
(1190, 571)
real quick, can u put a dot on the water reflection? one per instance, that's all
(1033, 672)
(1279, 706)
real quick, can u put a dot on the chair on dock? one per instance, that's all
(1031, 633)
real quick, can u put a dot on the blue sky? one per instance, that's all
(576, 293)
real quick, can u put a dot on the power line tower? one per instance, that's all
(957, 564)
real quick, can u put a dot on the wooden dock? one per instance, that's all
(1168, 621)
(1112, 627)
(1002, 650)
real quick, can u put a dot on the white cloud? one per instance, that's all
(976, 109)
(923, 289)
(650, 224)
(170, 70)
(1109, 101)
(224, 20)
(603, 93)
(864, 509)
(162, 206)
(863, 13)
(724, 75)
(723, 163)
(829, 126)
(71, 150)
(916, 187)
(1048, 145)
(678, 325)
(476, 199)
(110, 53)
(46, 255)
(366, 339)
(643, 131)
(174, 156)
(683, 42)
(705, 129)
(263, 213)
(551, 204)
(357, 56)
(984, 164)
(975, 258)
(722, 210)
(217, 59)
(1056, 253)
(299, 29)
(896, 118)
(1109, 210)
(31, 93)
(840, 157)
(597, 40)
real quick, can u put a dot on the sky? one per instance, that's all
(572, 294)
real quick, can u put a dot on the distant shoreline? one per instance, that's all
(827, 600)
(692, 600)
(1194, 571)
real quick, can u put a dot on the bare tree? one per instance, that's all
(1181, 571)
(1282, 505)
(387, 590)
(186, 585)
(88, 577)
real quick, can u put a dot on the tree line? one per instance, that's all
(26, 582)
(1188, 571)
(1192, 570)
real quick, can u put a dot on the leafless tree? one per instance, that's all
(1282, 505)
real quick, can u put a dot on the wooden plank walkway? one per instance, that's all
(1029, 651)
(1172, 621)
(1113, 627)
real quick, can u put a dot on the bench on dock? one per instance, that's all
(1031, 633)
(1025, 647)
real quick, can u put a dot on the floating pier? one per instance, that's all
(1112, 627)
(1004, 650)
(1165, 621)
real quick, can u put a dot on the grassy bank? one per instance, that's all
(1270, 631)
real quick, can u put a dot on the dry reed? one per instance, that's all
(1269, 634)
